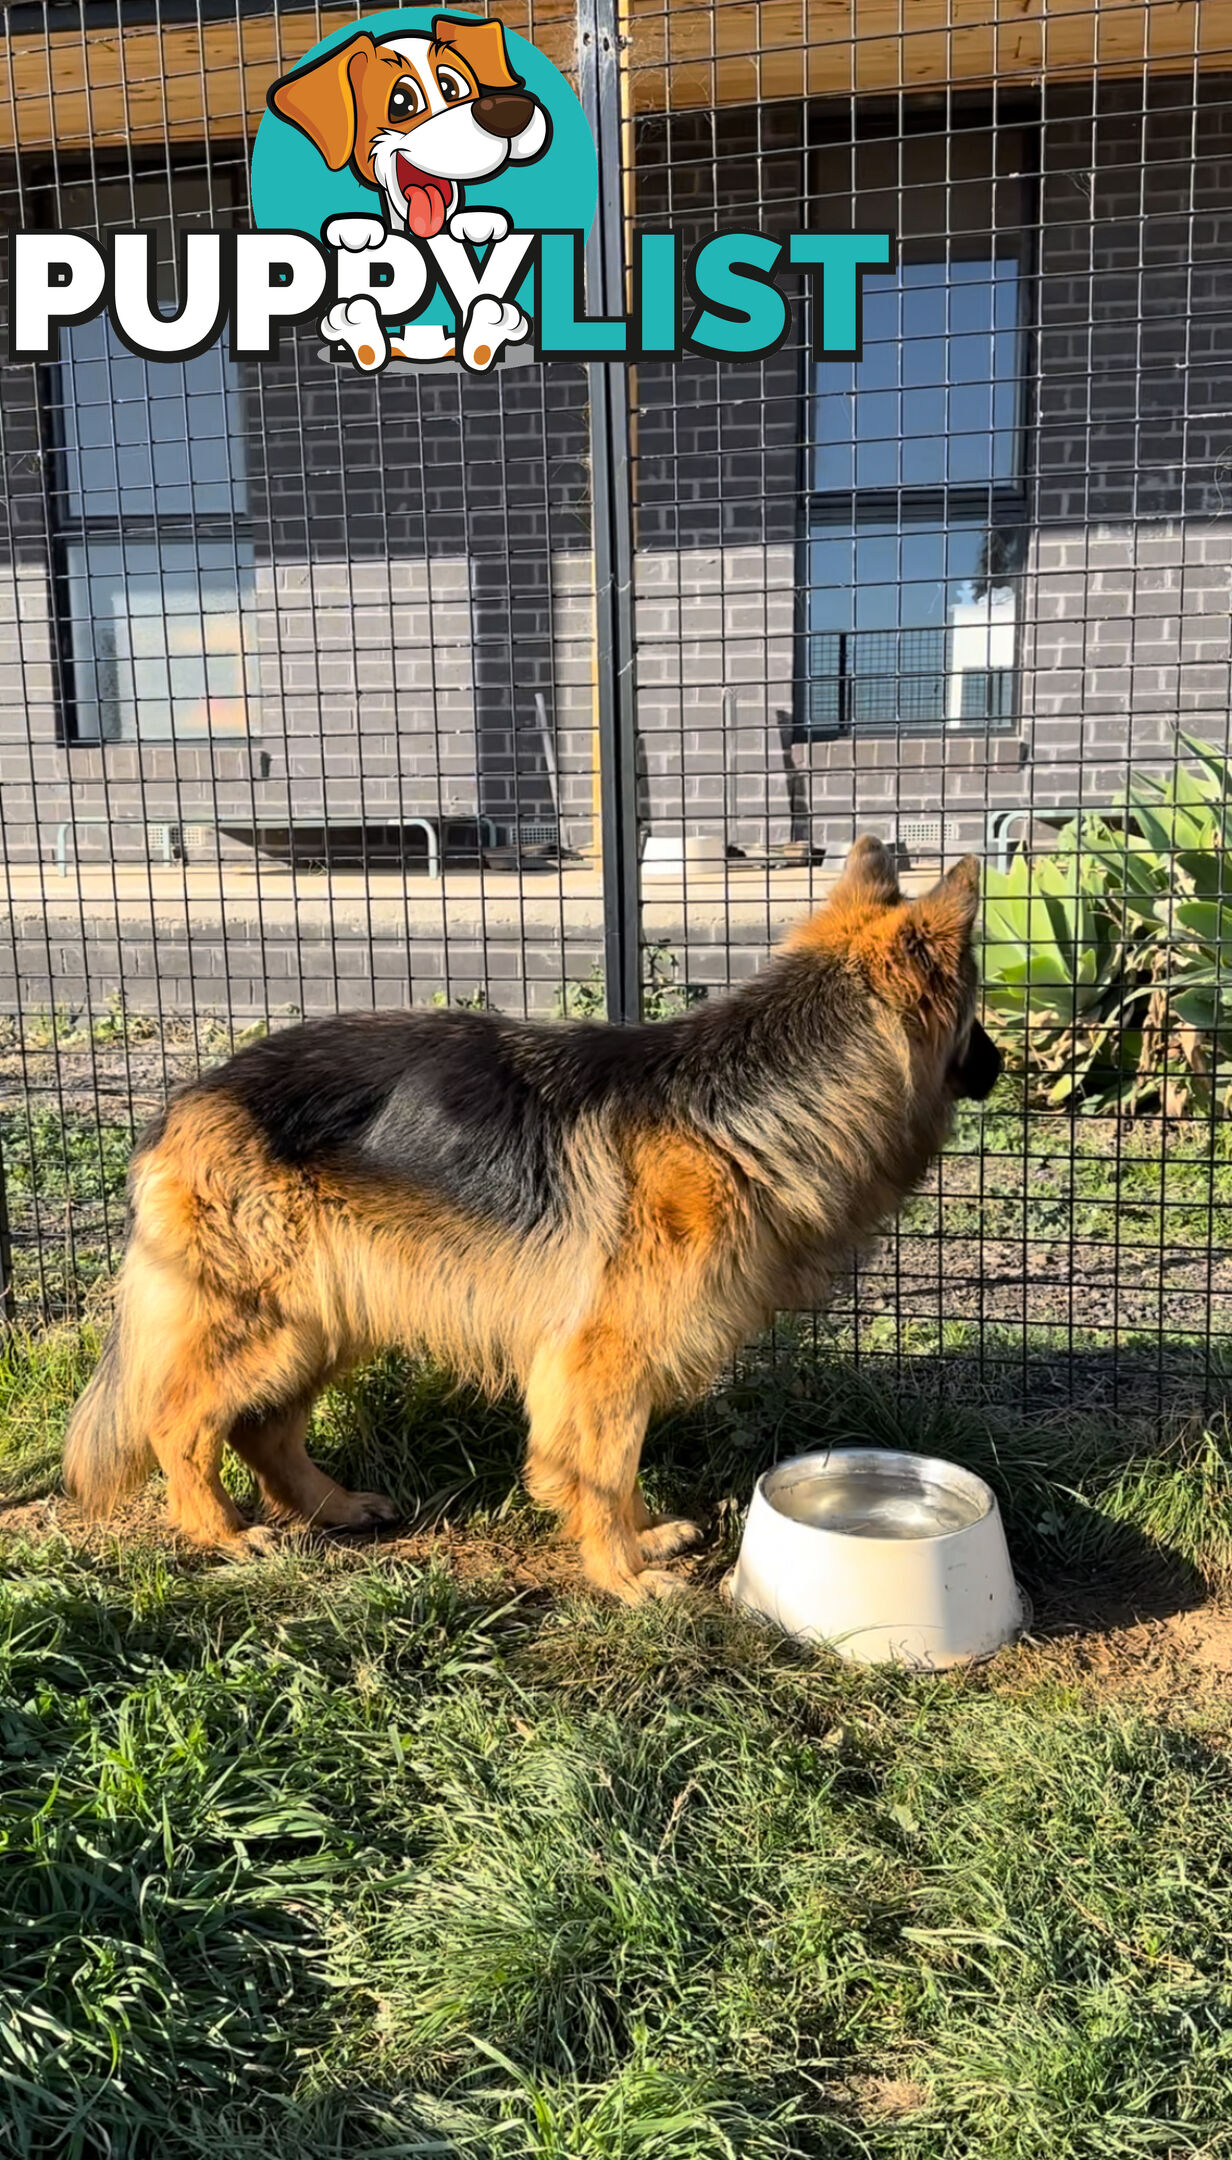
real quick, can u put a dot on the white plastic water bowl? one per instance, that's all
(887, 1558)
(668, 854)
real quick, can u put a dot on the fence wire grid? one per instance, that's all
(566, 690)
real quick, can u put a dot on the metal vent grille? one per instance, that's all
(927, 833)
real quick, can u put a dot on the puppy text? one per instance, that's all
(728, 297)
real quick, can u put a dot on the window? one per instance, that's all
(907, 625)
(150, 507)
(156, 639)
(915, 482)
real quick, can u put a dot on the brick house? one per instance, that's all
(255, 622)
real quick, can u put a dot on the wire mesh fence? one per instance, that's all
(569, 687)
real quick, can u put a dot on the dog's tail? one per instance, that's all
(106, 1452)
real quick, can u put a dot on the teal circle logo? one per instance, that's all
(415, 117)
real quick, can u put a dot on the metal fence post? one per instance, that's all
(612, 513)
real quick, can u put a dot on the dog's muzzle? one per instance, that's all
(505, 114)
(978, 1072)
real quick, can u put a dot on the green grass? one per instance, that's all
(1014, 1173)
(64, 1173)
(342, 1855)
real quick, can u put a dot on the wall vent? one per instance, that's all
(928, 834)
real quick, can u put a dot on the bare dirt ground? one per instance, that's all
(1091, 1287)
(1174, 1665)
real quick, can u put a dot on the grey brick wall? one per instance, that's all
(1125, 603)
(364, 702)
(422, 571)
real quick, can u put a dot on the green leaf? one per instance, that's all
(1198, 1008)
(1211, 924)
(1156, 823)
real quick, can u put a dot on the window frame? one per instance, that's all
(230, 528)
(1002, 502)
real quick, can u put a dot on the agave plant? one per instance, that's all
(1054, 968)
(1108, 962)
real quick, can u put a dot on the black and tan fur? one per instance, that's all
(598, 1216)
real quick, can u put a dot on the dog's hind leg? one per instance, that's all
(294, 1489)
(190, 1417)
(212, 1370)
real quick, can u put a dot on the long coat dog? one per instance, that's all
(596, 1215)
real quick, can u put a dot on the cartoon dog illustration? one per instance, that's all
(415, 118)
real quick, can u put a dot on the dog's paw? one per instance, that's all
(633, 1587)
(654, 1584)
(358, 1511)
(478, 226)
(253, 1541)
(669, 1535)
(491, 325)
(356, 324)
(355, 233)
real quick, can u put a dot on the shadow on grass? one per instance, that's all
(1110, 1514)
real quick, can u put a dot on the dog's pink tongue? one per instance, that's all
(426, 201)
(425, 212)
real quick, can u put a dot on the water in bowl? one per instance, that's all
(878, 1504)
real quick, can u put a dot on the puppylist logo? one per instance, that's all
(408, 181)
(430, 151)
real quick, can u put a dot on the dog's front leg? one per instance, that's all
(489, 321)
(356, 323)
(480, 227)
(355, 234)
(588, 1404)
(491, 325)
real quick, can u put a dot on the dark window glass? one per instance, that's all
(934, 400)
(148, 438)
(151, 506)
(911, 624)
(916, 494)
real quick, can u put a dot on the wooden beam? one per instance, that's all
(691, 54)
(106, 89)
(103, 89)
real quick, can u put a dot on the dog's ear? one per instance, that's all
(868, 874)
(926, 943)
(322, 100)
(482, 46)
(950, 908)
(867, 887)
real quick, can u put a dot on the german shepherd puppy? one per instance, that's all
(597, 1215)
